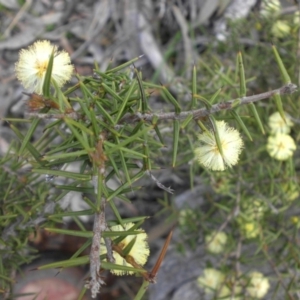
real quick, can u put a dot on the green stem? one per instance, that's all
(142, 290)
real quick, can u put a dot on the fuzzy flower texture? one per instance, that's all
(139, 251)
(33, 62)
(216, 241)
(209, 155)
(216, 282)
(280, 145)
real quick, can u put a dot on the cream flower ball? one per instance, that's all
(249, 229)
(186, 216)
(226, 293)
(279, 125)
(269, 8)
(33, 62)
(211, 280)
(291, 191)
(281, 146)
(253, 209)
(258, 285)
(208, 153)
(216, 241)
(281, 29)
(139, 251)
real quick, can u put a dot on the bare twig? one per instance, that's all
(157, 182)
(203, 112)
(198, 113)
(99, 226)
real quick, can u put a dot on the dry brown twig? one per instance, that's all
(95, 281)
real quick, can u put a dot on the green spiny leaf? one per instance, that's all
(176, 131)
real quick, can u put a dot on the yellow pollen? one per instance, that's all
(281, 146)
(41, 68)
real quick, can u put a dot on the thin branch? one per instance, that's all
(203, 112)
(156, 181)
(95, 282)
(198, 113)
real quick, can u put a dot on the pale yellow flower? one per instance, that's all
(269, 8)
(281, 29)
(258, 285)
(186, 216)
(139, 251)
(208, 153)
(227, 294)
(250, 230)
(253, 209)
(295, 220)
(279, 125)
(296, 19)
(216, 241)
(33, 62)
(281, 146)
(291, 191)
(211, 280)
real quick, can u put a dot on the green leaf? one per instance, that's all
(125, 185)
(131, 231)
(157, 131)
(123, 162)
(278, 102)
(81, 137)
(241, 123)
(207, 103)
(176, 130)
(216, 134)
(115, 167)
(78, 261)
(143, 104)
(105, 114)
(128, 248)
(112, 92)
(242, 76)
(95, 125)
(187, 121)
(78, 213)
(256, 116)
(61, 98)
(116, 212)
(72, 175)
(168, 96)
(128, 63)
(34, 152)
(115, 147)
(48, 75)
(142, 290)
(127, 220)
(10, 280)
(65, 155)
(283, 71)
(214, 96)
(194, 87)
(79, 125)
(110, 266)
(29, 134)
(84, 246)
(122, 107)
(99, 189)
(84, 234)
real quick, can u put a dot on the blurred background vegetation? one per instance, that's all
(256, 203)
